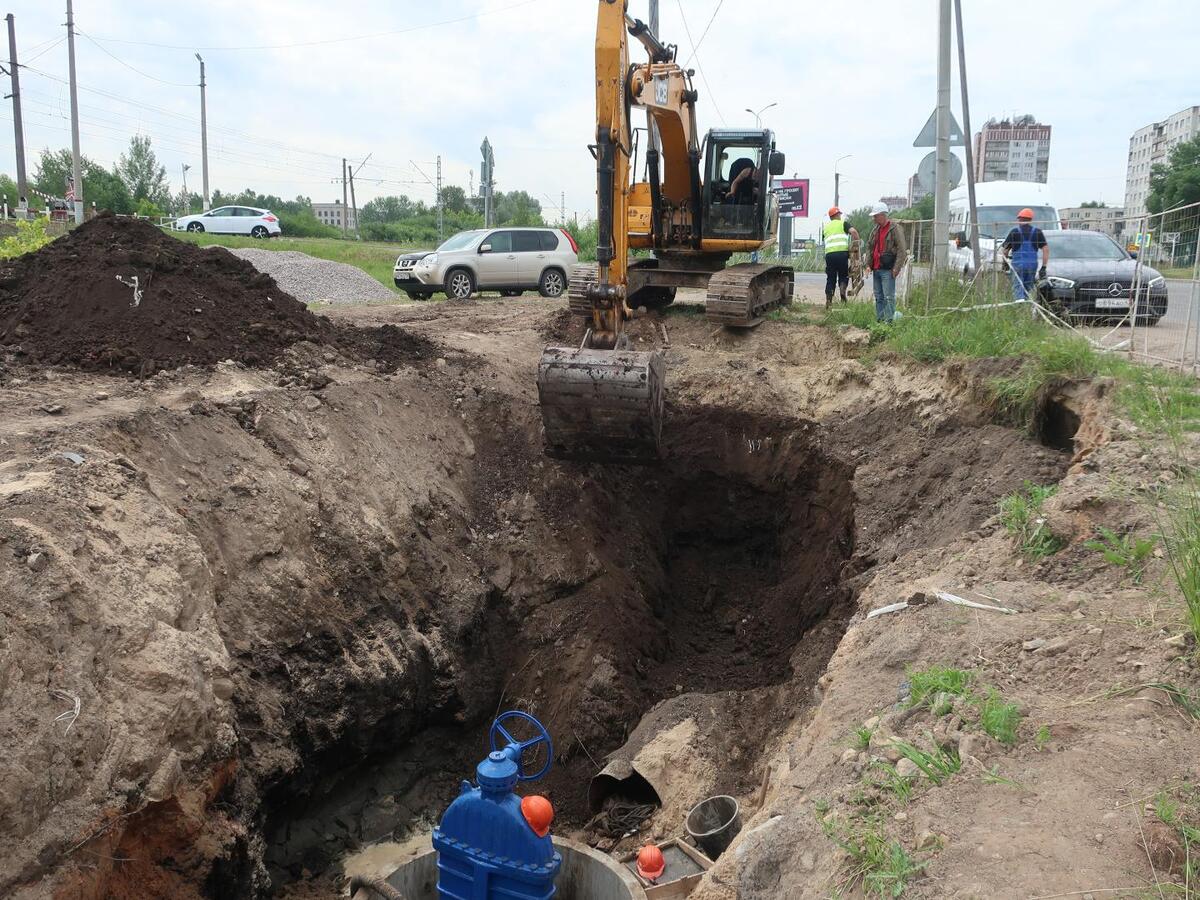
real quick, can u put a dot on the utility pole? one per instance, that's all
(651, 128)
(941, 177)
(345, 201)
(562, 207)
(187, 198)
(486, 175)
(440, 208)
(354, 208)
(203, 135)
(837, 181)
(18, 130)
(76, 175)
(968, 150)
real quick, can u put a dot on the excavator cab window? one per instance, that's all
(734, 187)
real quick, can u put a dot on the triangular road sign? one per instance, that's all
(928, 135)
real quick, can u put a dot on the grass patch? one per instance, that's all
(862, 738)
(936, 766)
(998, 718)
(1021, 516)
(1126, 551)
(893, 782)
(879, 864)
(936, 686)
(1182, 544)
(1042, 738)
(374, 258)
(1178, 807)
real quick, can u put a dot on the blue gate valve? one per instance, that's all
(492, 844)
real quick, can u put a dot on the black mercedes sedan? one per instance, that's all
(1091, 278)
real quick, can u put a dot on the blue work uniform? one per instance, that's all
(1026, 241)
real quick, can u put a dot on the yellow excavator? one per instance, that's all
(700, 202)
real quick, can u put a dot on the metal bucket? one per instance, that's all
(585, 875)
(714, 823)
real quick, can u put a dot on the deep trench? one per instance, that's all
(716, 563)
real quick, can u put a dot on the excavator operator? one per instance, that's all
(742, 185)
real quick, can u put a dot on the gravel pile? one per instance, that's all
(310, 279)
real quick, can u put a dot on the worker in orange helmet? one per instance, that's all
(1020, 250)
(650, 863)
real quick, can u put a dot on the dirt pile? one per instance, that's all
(119, 294)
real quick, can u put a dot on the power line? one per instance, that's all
(696, 46)
(696, 56)
(322, 42)
(134, 69)
(53, 44)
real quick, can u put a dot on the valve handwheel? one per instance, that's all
(542, 736)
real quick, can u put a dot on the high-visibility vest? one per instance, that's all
(837, 236)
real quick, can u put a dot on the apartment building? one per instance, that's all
(1012, 150)
(1150, 145)
(1107, 219)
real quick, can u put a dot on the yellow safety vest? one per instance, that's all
(837, 236)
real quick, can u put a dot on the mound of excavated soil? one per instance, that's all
(73, 303)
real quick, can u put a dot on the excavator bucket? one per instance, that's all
(601, 405)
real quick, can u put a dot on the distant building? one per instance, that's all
(916, 191)
(1152, 144)
(1012, 150)
(331, 214)
(1107, 219)
(895, 202)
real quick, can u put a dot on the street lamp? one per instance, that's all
(758, 115)
(837, 180)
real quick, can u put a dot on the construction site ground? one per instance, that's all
(256, 616)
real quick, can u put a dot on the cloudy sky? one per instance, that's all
(293, 87)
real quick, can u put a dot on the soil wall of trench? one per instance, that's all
(287, 616)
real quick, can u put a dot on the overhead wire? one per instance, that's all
(53, 44)
(696, 56)
(324, 41)
(696, 46)
(131, 68)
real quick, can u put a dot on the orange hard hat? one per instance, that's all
(833, 211)
(650, 862)
(538, 813)
(1026, 213)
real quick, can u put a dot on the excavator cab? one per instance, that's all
(738, 203)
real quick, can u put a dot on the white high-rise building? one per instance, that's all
(1012, 150)
(1152, 144)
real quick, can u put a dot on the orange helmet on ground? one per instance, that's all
(1026, 213)
(650, 862)
(834, 211)
(538, 813)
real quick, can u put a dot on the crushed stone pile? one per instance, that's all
(309, 279)
(74, 303)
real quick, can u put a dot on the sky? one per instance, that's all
(294, 87)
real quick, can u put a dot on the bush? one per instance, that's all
(31, 235)
(305, 224)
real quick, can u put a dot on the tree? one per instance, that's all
(386, 209)
(861, 219)
(1177, 183)
(100, 186)
(454, 199)
(144, 178)
(517, 208)
(1093, 204)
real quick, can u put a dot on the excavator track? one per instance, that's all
(739, 296)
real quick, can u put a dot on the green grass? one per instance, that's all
(1021, 516)
(1178, 807)
(934, 684)
(1126, 551)
(374, 258)
(936, 766)
(1042, 738)
(999, 718)
(879, 864)
(862, 738)
(893, 782)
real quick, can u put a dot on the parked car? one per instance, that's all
(508, 260)
(259, 223)
(1091, 278)
(405, 277)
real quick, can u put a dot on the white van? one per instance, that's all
(998, 203)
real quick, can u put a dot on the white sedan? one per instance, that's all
(259, 223)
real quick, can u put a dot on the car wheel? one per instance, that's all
(511, 293)
(195, 226)
(553, 283)
(260, 232)
(459, 284)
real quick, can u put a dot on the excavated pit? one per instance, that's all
(703, 575)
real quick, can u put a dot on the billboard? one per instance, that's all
(793, 197)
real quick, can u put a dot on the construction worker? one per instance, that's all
(1020, 251)
(840, 236)
(885, 255)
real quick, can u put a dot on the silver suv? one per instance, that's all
(508, 260)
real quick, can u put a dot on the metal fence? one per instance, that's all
(1127, 284)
